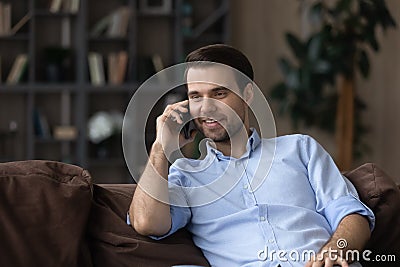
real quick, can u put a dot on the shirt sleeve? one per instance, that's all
(336, 197)
(179, 208)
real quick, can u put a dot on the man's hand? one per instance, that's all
(168, 128)
(330, 255)
(352, 233)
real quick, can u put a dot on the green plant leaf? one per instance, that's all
(371, 40)
(314, 47)
(363, 63)
(383, 14)
(296, 45)
(343, 6)
(322, 67)
(316, 12)
(284, 66)
(279, 91)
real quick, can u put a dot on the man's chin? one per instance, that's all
(216, 137)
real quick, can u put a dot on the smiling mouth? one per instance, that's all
(211, 123)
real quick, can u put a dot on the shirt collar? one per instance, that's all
(252, 143)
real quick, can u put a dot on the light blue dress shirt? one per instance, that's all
(295, 209)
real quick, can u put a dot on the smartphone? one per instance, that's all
(188, 126)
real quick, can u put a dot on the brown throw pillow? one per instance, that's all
(44, 209)
(114, 243)
(379, 192)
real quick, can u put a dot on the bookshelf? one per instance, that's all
(55, 89)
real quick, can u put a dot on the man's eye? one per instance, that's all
(220, 94)
(195, 98)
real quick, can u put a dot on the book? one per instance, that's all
(17, 69)
(114, 24)
(55, 6)
(124, 13)
(122, 66)
(112, 68)
(117, 65)
(96, 68)
(1, 72)
(101, 26)
(1, 19)
(6, 16)
(20, 24)
(74, 6)
(158, 67)
(113, 29)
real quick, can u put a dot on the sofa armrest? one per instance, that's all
(115, 243)
(379, 192)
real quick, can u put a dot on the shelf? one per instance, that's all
(47, 13)
(93, 162)
(154, 15)
(107, 39)
(16, 37)
(51, 140)
(40, 88)
(206, 38)
(109, 88)
(18, 88)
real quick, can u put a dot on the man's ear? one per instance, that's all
(248, 93)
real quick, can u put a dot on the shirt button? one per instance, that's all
(262, 218)
(271, 241)
(246, 186)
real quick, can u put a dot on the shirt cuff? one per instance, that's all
(339, 208)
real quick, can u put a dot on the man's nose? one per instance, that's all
(208, 105)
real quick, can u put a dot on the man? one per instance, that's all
(304, 203)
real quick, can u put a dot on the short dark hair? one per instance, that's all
(224, 54)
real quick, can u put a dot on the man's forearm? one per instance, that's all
(352, 233)
(149, 215)
(354, 230)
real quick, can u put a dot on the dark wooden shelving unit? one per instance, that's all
(73, 100)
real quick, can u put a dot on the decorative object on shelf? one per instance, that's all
(57, 64)
(187, 18)
(40, 125)
(156, 7)
(319, 88)
(102, 127)
(65, 133)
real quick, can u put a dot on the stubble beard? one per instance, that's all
(222, 135)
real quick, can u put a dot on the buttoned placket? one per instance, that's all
(250, 198)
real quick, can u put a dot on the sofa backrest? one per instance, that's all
(44, 209)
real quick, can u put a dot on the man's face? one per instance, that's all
(219, 112)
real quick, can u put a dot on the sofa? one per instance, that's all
(53, 215)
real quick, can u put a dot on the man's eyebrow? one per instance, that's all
(213, 90)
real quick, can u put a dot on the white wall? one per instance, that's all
(258, 28)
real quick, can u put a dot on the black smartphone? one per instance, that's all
(188, 126)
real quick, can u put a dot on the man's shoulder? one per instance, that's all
(291, 138)
(290, 143)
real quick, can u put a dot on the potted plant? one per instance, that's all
(319, 86)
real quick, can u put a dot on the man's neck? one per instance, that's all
(239, 142)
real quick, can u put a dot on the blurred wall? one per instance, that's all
(258, 28)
